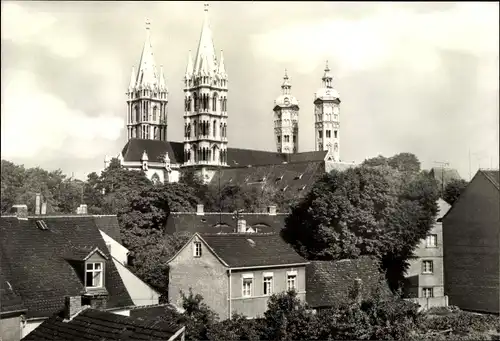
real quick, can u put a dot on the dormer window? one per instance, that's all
(94, 275)
(197, 249)
(298, 177)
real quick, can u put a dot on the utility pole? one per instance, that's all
(443, 164)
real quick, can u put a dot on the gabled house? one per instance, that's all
(425, 278)
(76, 322)
(236, 272)
(471, 245)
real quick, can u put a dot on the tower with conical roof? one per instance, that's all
(327, 117)
(205, 109)
(147, 97)
(286, 119)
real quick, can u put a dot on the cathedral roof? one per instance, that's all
(286, 99)
(327, 94)
(155, 149)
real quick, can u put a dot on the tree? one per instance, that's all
(93, 194)
(12, 181)
(404, 162)
(69, 195)
(453, 190)
(376, 161)
(375, 211)
(235, 329)
(197, 317)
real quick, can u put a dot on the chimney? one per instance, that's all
(72, 306)
(44, 208)
(21, 211)
(199, 210)
(82, 209)
(38, 202)
(242, 225)
(271, 210)
(358, 285)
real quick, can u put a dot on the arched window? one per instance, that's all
(195, 129)
(196, 103)
(215, 128)
(155, 179)
(137, 115)
(214, 102)
(156, 133)
(336, 147)
(155, 109)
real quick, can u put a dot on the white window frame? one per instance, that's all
(424, 270)
(243, 289)
(94, 271)
(291, 274)
(429, 290)
(268, 276)
(431, 241)
(196, 248)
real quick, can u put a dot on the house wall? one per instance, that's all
(10, 328)
(206, 275)
(140, 292)
(118, 251)
(158, 168)
(256, 305)
(471, 248)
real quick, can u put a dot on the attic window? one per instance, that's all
(246, 179)
(251, 242)
(203, 220)
(302, 188)
(41, 225)
(298, 177)
(93, 275)
(284, 188)
(279, 178)
(230, 180)
(263, 179)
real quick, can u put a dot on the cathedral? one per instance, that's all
(205, 147)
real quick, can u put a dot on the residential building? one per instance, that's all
(425, 277)
(236, 272)
(45, 258)
(330, 283)
(205, 144)
(471, 245)
(76, 322)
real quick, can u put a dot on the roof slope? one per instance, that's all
(252, 249)
(329, 282)
(10, 299)
(39, 269)
(215, 222)
(493, 176)
(156, 150)
(93, 324)
(109, 225)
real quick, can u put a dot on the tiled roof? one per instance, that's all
(308, 156)
(329, 282)
(10, 300)
(39, 272)
(214, 222)
(444, 174)
(493, 176)
(290, 177)
(92, 324)
(109, 225)
(252, 249)
(155, 149)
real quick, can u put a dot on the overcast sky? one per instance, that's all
(412, 77)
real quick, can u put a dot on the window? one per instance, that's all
(247, 285)
(428, 292)
(268, 283)
(335, 133)
(294, 138)
(431, 240)
(197, 249)
(320, 133)
(427, 267)
(93, 275)
(291, 281)
(279, 139)
(287, 138)
(328, 133)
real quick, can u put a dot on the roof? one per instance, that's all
(444, 174)
(92, 324)
(214, 222)
(10, 300)
(289, 177)
(40, 272)
(493, 176)
(329, 282)
(156, 150)
(252, 250)
(109, 225)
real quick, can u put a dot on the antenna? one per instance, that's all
(443, 164)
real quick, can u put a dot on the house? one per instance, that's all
(45, 258)
(236, 272)
(425, 277)
(76, 322)
(330, 283)
(471, 245)
(443, 175)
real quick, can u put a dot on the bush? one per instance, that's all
(462, 322)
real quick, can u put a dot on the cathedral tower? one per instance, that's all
(147, 98)
(286, 119)
(205, 112)
(327, 117)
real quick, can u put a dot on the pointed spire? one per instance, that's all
(327, 77)
(147, 74)
(131, 86)
(189, 68)
(205, 62)
(163, 83)
(222, 67)
(286, 86)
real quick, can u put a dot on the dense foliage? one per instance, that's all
(453, 190)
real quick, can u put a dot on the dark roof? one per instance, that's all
(291, 177)
(329, 282)
(236, 157)
(493, 176)
(109, 225)
(214, 222)
(252, 249)
(92, 324)
(444, 174)
(10, 300)
(39, 270)
(151, 312)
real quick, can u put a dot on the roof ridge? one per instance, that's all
(488, 176)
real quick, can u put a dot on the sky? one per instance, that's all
(412, 77)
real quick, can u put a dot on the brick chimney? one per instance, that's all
(44, 208)
(82, 209)
(200, 210)
(72, 306)
(242, 225)
(358, 286)
(38, 203)
(271, 210)
(21, 211)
